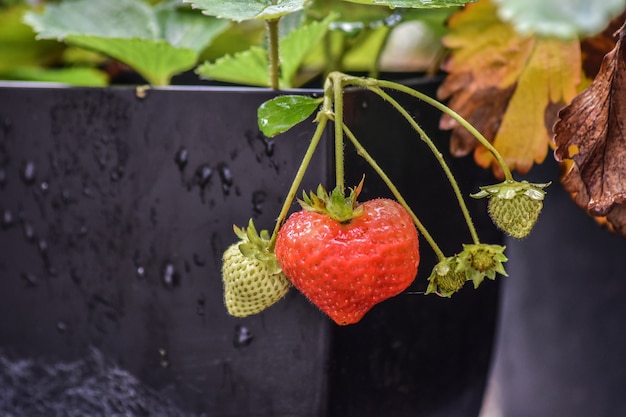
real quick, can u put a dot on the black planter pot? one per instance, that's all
(116, 210)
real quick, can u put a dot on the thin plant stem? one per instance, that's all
(338, 111)
(447, 110)
(394, 190)
(295, 185)
(438, 156)
(273, 53)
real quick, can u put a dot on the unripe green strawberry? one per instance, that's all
(514, 206)
(445, 279)
(251, 276)
(344, 257)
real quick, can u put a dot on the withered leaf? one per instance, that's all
(509, 86)
(592, 132)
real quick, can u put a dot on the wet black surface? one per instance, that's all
(115, 213)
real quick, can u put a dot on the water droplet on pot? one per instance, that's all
(52, 272)
(165, 361)
(258, 198)
(30, 280)
(29, 231)
(141, 271)
(43, 249)
(117, 174)
(203, 175)
(61, 326)
(226, 176)
(181, 158)
(88, 192)
(170, 277)
(66, 195)
(200, 305)
(7, 219)
(243, 336)
(44, 186)
(28, 173)
(198, 260)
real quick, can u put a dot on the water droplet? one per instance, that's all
(243, 336)
(82, 230)
(7, 219)
(30, 280)
(52, 272)
(117, 174)
(141, 271)
(198, 260)
(28, 173)
(29, 231)
(258, 198)
(181, 158)
(43, 248)
(88, 192)
(44, 186)
(364, 105)
(3, 177)
(66, 195)
(200, 305)
(203, 175)
(165, 361)
(226, 176)
(170, 277)
(61, 326)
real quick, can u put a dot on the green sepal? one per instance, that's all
(508, 189)
(335, 204)
(255, 245)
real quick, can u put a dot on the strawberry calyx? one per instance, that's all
(509, 189)
(481, 260)
(475, 263)
(255, 245)
(336, 204)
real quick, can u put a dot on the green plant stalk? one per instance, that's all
(338, 112)
(322, 119)
(447, 110)
(273, 52)
(394, 190)
(438, 156)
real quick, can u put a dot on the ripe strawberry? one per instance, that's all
(252, 278)
(344, 257)
(514, 206)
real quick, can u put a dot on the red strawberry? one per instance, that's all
(344, 257)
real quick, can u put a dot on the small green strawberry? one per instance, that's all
(251, 275)
(346, 257)
(481, 260)
(514, 206)
(445, 280)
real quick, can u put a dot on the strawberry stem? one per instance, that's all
(394, 190)
(438, 156)
(447, 110)
(272, 52)
(322, 119)
(337, 83)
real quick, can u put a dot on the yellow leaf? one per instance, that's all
(509, 86)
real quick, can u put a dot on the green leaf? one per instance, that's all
(247, 67)
(414, 3)
(186, 29)
(239, 10)
(296, 46)
(156, 61)
(157, 42)
(564, 19)
(284, 112)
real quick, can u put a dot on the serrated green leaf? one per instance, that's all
(157, 42)
(247, 67)
(284, 112)
(123, 18)
(239, 10)
(186, 29)
(155, 60)
(414, 3)
(295, 46)
(564, 19)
